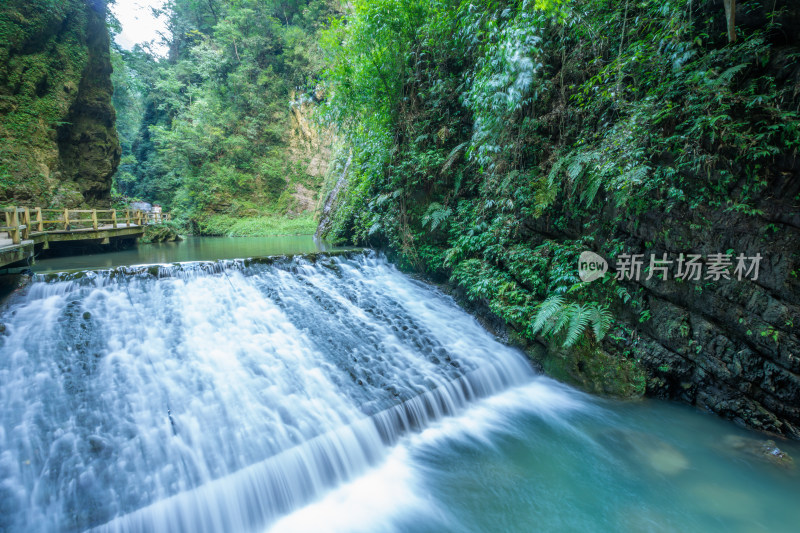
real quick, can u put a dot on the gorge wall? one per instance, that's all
(524, 137)
(729, 346)
(59, 144)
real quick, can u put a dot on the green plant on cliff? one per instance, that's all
(488, 137)
(57, 144)
(258, 226)
(168, 231)
(213, 135)
(557, 317)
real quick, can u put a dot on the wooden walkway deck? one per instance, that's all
(27, 230)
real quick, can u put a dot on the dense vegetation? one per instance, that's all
(207, 131)
(491, 141)
(58, 146)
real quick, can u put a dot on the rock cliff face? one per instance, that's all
(309, 147)
(730, 346)
(59, 144)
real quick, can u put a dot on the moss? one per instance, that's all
(167, 232)
(592, 369)
(55, 88)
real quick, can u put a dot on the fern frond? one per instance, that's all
(601, 321)
(561, 320)
(593, 183)
(547, 310)
(556, 316)
(728, 75)
(545, 196)
(577, 324)
(451, 158)
(638, 174)
(555, 170)
(575, 168)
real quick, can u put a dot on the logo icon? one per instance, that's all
(591, 266)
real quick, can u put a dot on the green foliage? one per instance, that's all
(167, 231)
(557, 317)
(477, 128)
(257, 226)
(39, 74)
(208, 127)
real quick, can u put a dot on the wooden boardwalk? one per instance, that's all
(27, 230)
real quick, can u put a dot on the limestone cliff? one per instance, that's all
(59, 145)
(310, 147)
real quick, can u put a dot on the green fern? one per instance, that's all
(547, 310)
(601, 321)
(593, 183)
(579, 319)
(726, 77)
(575, 168)
(436, 215)
(451, 158)
(546, 194)
(556, 316)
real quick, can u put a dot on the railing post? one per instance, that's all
(139, 217)
(39, 224)
(128, 217)
(94, 219)
(7, 213)
(26, 221)
(66, 219)
(114, 218)
(14, 225)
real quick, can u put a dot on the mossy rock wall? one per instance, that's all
(59, 145)
(615, 128)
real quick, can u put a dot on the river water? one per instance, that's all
(191, 248)
(334, 394)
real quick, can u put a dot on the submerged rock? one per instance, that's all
(724, 502)
(763, 450)
(648, 451)
(666, 459)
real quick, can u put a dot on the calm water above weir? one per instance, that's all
(190, 249)
(339, 395)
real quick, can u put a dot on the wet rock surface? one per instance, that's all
(729, 346)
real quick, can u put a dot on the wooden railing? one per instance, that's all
(23, 222)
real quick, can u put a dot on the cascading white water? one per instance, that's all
(221, 396)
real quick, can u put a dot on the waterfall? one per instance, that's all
(220, 396)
